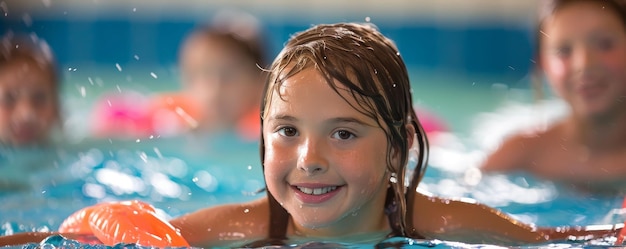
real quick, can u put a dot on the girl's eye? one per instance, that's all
(605, 44)
(563, 51)
(288, 131)
(8, 99)
(343, 135)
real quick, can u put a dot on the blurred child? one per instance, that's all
(29, 102)
(337, 127)
(220, 66)
(582, 51)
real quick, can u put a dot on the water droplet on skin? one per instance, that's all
(375, 71)
(301, 206)
(246, 210)
(119, 68)
(324, 57)
(153, 75)
(394, 85)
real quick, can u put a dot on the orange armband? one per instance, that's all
(124, 222)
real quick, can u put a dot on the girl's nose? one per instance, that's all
(24, 111)
(584, 58)
(311, 157)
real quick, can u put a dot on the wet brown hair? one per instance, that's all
(31, 48)
(358, 57)
(548, 8)
(14, 47)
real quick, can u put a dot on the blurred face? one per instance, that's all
(28, 107)
(584, 57)
(221, 78)
(325, 162)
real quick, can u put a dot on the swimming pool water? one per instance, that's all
(42, 186)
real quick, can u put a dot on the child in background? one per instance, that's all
(29, 102)
(337, 127)
(582, 51)
(220, 66)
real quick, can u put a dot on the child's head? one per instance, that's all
(220, 68)
(338, 123)
(582, 51)
(29, 104)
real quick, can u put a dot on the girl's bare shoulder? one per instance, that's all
(225, 224)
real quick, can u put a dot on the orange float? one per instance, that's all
(172, 113)
(124, 222)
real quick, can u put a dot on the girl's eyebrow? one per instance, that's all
(342, 120)
(282, 117)
(337, 120)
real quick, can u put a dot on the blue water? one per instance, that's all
(183, 174)
(40, 187)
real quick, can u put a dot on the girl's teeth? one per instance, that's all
(316, 191)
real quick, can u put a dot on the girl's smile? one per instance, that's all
(315, 193)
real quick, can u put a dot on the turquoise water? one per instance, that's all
(41, 187)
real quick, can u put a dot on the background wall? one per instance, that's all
(453, 37)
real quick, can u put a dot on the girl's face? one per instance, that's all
(584, 57)
(28, 107)
(221, 78)
(325, 162)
